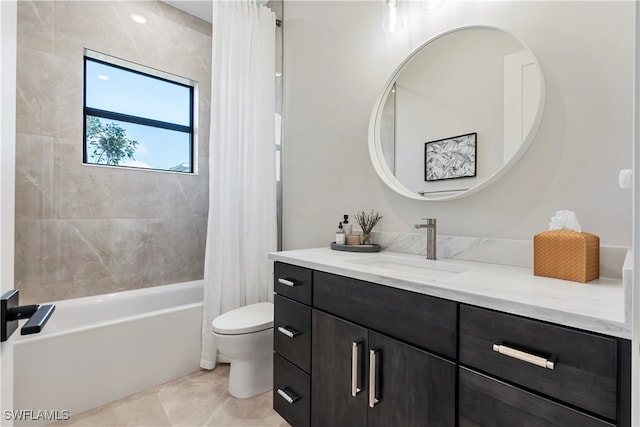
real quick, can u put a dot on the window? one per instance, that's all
(135, 116)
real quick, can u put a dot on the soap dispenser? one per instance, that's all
(340, 236)
(348, 228)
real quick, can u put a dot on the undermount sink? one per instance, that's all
(422, 267)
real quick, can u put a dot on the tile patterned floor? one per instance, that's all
(200, 399)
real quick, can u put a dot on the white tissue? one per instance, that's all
(565, 220)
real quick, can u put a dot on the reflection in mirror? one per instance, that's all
(388, 129)
(472, 80)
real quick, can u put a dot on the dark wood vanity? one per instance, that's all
(352, 353)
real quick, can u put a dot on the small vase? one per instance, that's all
(366, 238)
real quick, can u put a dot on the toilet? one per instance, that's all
(245, 337)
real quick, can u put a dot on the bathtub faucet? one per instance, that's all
(11, 313)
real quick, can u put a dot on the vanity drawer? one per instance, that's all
(292, 332)
(581, 368)
(484, 401)
(426, 322)
(291, 392)
(293, 282)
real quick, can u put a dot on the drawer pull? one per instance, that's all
(286, 282)
(355, 358)
(288, 332)
(286, 396)
(372, 378)
(525, 357)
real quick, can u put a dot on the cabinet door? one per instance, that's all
(487, 402)
(332, 402)
(413, 388)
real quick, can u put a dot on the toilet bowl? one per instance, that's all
(245, 337)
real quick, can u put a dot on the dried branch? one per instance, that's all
(367, 221)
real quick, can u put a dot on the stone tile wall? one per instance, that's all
(85, 230)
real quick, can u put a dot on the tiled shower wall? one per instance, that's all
(87, 230)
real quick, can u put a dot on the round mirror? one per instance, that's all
(456, 114)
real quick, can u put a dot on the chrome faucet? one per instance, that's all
(431, 236)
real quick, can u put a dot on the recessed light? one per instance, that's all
(103, 77)
(138, 18)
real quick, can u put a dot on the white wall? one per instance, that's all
(337, 59)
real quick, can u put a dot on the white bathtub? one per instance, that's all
(97, 349)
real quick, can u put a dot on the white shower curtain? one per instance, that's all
(242, 199)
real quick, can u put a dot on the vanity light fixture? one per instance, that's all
(390, 21)
(431, 4)
(138, 18)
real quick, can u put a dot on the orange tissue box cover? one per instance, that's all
(566, 254)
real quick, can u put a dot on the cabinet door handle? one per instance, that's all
(288, 332)
(372, 378)
(286, 282)
(355, 374)
(525, 357)
(286, 396)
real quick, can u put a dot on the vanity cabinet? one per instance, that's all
(292, 343)
(353, 353)
(375, 365)
(363, 378)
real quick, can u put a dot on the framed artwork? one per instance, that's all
(450, 158)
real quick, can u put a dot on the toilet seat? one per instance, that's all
(250, 318)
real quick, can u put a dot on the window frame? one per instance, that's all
(149, 72)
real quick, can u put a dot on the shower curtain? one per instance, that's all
(242, 184)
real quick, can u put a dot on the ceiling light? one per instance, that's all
(390, 21)
(138, 18)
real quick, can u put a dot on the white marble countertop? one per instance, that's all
(597, 306)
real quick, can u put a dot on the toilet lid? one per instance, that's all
(243, 320)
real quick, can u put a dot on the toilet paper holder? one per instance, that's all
(11, 313)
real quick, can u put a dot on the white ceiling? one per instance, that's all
(203, 9)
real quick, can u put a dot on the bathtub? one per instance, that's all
(98, 349)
